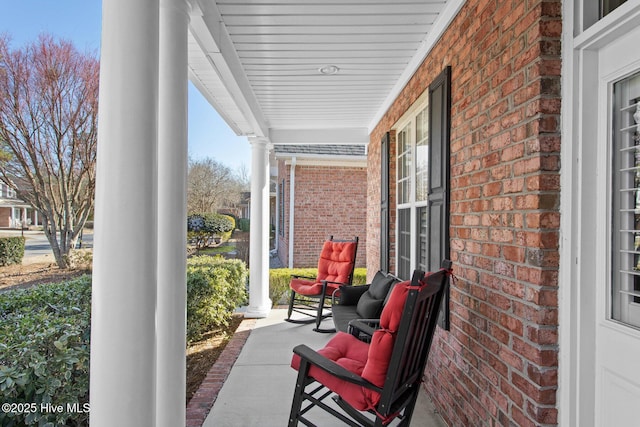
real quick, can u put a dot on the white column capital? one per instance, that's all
(256, 141)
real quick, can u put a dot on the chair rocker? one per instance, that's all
(377, 383)
(311, 296)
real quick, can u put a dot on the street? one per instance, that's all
(37, 248)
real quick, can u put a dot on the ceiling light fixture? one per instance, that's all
(328, 70)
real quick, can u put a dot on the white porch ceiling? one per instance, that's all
(258, 62)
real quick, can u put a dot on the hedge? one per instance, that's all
(44, 352)
(279, 279)
(204, 227)
(215, 288)
(11, 250)
(243, 224)
(45, 345)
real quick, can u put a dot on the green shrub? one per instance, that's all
(203, 228)
(215, 288)
(44, 351)
(243, 224)
(279, 279)
(11, 250)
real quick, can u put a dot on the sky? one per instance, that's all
(80, 22)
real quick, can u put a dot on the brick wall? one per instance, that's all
(328, 201)
(5, 217)
(498, 363)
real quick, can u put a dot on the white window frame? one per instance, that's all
(409, 119)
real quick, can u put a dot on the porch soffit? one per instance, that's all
(258, 62)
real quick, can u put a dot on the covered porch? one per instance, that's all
(267, 401)
(491, 131)
(282, 72)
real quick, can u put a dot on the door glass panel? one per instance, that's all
(625, 290)
(607, 6)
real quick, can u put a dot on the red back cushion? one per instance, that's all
(336, 261)
(375, 371)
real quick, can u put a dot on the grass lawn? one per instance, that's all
(217, 250)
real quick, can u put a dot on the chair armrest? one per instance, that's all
(349, 295)
(333, 293)
(296, 276)
(327, 365)
(364, 326)
(335, 283)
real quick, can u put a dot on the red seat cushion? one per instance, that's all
(350, 353)
(336, 263)
(310, 287)
(371, 361)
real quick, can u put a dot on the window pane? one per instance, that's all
(626, 199)
(404, 165)
(404, 243)
(422, 125)
(423, 243)
(422, 155)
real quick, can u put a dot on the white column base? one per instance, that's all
(258, 312)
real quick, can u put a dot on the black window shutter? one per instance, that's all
(384, 203)
(439, 160)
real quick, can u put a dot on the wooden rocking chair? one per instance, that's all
(311, 296)
(374, 383)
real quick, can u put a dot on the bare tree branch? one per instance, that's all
(212, 186)
(48, 122)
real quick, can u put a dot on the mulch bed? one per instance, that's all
(203, 354)
(20, 276)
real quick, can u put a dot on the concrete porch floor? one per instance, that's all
(259, 388)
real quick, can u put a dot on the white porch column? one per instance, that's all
(172, 215)
(123, 342)
(259, 302)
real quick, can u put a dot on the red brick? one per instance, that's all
(505, 147)
(544, 377)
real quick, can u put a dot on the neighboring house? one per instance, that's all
(321, 192)
(501, 134)
(241, 209)
(15, 213)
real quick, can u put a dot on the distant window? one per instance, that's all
(384, 203)
(281, 208)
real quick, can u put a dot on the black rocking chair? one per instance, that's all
(374, 384)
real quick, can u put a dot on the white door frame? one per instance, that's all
(581, 260)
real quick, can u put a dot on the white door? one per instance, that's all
(617, 284)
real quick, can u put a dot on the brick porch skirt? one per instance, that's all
(202, 401)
